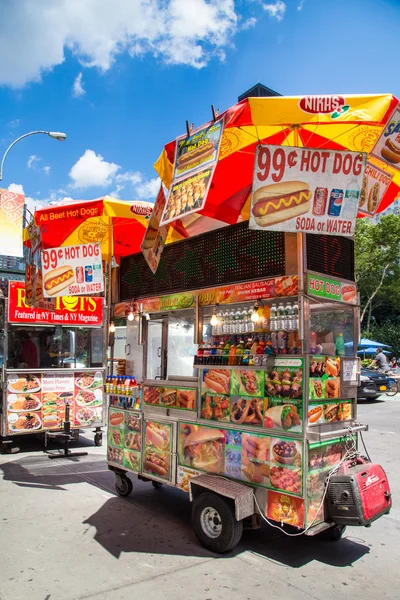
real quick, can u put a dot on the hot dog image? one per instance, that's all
(189, 159)
(349, 292)
(58, 279)
(332, 367)
(116, 418)
(373, 198)
(391, 152)
(157, 435)
(314, 414)
(156, 462)
(151, 234)
(217, 380)
(279, 202)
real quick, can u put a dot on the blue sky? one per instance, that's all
(121, 77)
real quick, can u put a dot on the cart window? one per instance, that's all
(53, 347)
(181, 348)
(327, 322)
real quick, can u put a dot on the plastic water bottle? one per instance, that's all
(272, 318)
(351, 199)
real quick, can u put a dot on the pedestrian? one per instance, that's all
(394, 362)
(29, 353)
(380, 361)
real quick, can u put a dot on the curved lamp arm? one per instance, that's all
(57, 135)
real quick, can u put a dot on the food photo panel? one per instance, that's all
(286, 465)
(247, 383)
(255, 466)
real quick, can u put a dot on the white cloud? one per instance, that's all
(300, 6)
(77, 88)
(32, 204)
(91, 170)
(16, 188)
(276, 10)
(32, 160)
(176, 31)
(249, 23)
(46, 170)
(148, 189)
(14, 123)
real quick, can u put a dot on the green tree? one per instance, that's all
(377, 254)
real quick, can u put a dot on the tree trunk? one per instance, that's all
(378, 287)
(369, 318)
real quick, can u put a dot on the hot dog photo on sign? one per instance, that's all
(198, 150)
(306, 189)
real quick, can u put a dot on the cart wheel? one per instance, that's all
(333, 534)
(157, 485)
(123, 486)
(214, 523)
(98, 439)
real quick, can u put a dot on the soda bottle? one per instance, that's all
(295, 317)
(206, 355)
(282, 342)
(280, 317)
(272, 318)
(258, 359)
(274, 341)
(220, 350)
(313, 342)
(232, 353)
(200, 354)
(246, 360)
(340, 349)
(239, 353)
(288, 318)
(225, 353)
(292, 346)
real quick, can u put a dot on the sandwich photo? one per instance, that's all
(331, 412)
(279, 202)
(284, 417)
(58, 279)
(217, 380)
(204, 449)
(169, 397)
(333, 388)
(151, 234)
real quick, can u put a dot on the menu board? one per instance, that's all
(322, 457)
(256, 458)
(171, 397)
(157, 453)
(125, 439)
(37, 402)
(255, 398)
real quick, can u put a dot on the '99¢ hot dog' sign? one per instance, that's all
(306, 189)
(72, 271)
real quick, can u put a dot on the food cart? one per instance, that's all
(52, 358)
(245, 329)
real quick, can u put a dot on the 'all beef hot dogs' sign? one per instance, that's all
(306, 190)
(72, 271)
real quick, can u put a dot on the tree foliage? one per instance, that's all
(377, 254)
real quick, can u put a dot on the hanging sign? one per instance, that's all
(306, 190)
(155, 236)
(72, 270)
(387, 147)
(374, 186)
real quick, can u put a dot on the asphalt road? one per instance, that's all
(65, 535)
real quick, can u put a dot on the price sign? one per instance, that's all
(72, 271)
(306, 189)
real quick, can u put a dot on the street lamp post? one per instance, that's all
(56, 135)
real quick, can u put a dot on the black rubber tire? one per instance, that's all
(333, 534)
(123, 486)
(157, 485)
(231, 528)
(98, 439)
(392, 389)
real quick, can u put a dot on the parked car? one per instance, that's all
(373, 384)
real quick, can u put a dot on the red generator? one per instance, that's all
(358, 494)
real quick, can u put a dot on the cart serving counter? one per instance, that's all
(52, 358)
(248, 381)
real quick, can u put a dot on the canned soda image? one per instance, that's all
(335, 202)
(320, 201)
(88, 273)
(80, 277)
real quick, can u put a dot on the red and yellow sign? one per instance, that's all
(69, 310)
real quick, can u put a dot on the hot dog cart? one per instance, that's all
(52, 358)
(272, 423)
(244, 318)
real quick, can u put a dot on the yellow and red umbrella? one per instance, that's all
(119, 226)
(345, 122)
